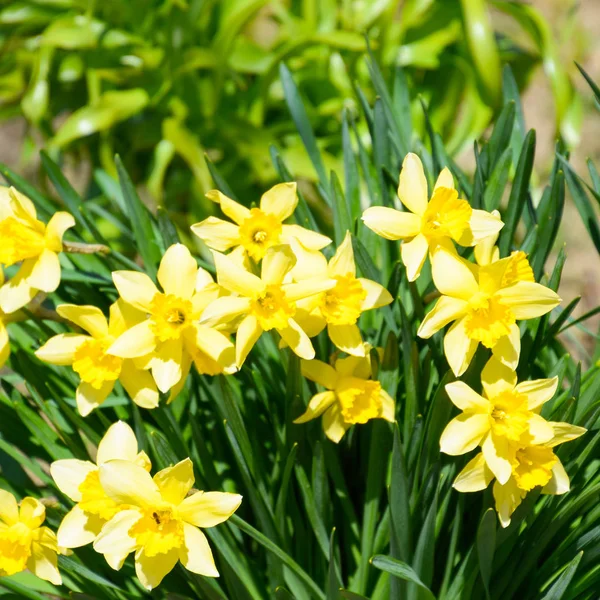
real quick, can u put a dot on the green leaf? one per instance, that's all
(561, 585)
(400, 569)
(486, 544)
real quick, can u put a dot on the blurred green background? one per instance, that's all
(166, 83)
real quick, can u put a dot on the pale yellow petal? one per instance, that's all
(224, 310)
(564, 432)
(9, 509)
(538, 391)
(88, 397)
(297, 340)
(4, 345)
(334, 425)
(347, 338)
(55, 230)
(89, 318)
(414, 254)
(78, 528)
(175, 482)
(311, 240)
(119, 441)
(508, 498)
(217, 234)
(139, 384)
(207, 509)
(235, 279)
(529, 300)
(114, 538)
(318, 404)
(280, 201)
(466, 398)
(481, 226)
(475, 476)
(32, 512)
(307, 288)
(247, 335)
(412, 189)
(390, 223)
(17, 292)
(508, 348)
(309, 263)
(177, 272)
(377, 295)
(459, 348)
(128, 483)
(464, 433)
(497, 457)
(196, 555)
(69, 474)
(135, 342)
(452, 276)
(446, 310)
(43, 563)
(234, 210)
(151, 570)
(135, 288)
(444, 179)
(276, 264)
(540, 430)
(312, 322)
(60, 349)
(122, 316)
(45, 272)
(320, 373)
(388, 406)
(559, 483)
(342, 262)
(166, 364)
(497, 378)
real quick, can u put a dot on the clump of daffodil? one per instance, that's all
(532, 466)
(79, 480)
(26, 240)
(163, 520)
(263, 303)
(484, 302)
(351, 395)
(506, 414)
(429, 223)
(339, 308)
(88, 356)
(257, 229)
(24, 542)
(170, 338)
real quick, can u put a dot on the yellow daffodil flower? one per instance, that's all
(28, 241)
(87, 355)
(162, 525)
(24, 542)
(531, 466)
(5, 319)
(506, 413)
(257, 229)
(339, 308)
(170, 335)
(263, 303)
(428, 224)
(351, 395)
(79, 480)
(485, 303)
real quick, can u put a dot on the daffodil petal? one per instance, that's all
(17, 292)
(234, 210)
(32, 512)
(78, 528)
(207, 509)
(69, 474)
(459, 348)
(60, 349)
(540, 430)
(196, 555)
(334, 425)
(464, 433)
(280, 201)
(508, 498)
(497, 378)
(508, 348)
(412, 189)
(119, 441)
(347, 338)
(297, 340)
(247, 335)
(342, 262)
(309, 263)
(466, 398)
(89, 318)
(217, 234)
(305, 289)
(56, 228)
(311, 240)
(481, 225)
(528, 300)
(446, 310)
(175, 482)
(388, 406)
(559, 482)
(223, 310)
(139, 384)
(177, 272)
(137, 341)
(452, 276)
(377, 295)
(135, 288)
(9, 509)
(166, 364)
(390, 223)
(496, 453)
(45, 272)
(320, 373)
(318, 404)
(128, 483)
(114, 538)
(444, 179)
(564, 432)
(89, 397)
(414, 254)
(151, 570)
(475, 476)
(235, 279)
(43, 563)
(276, 263)
(538, 391)
(4, 345)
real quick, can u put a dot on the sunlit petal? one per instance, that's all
(390, 223)
(412, 189)
(177, 272)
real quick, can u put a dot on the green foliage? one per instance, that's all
(165, 82)
(375, 515)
